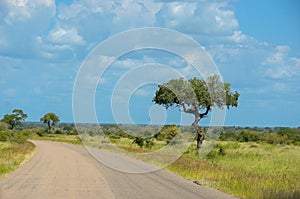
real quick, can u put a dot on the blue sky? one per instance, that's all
(255, 45)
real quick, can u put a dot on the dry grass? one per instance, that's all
(68, 139)
(12, 155)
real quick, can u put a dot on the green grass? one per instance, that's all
(69, 139)
(247, 170)
(12, 155)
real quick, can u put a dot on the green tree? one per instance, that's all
(197, 97)
(50, 119)
(15, 118)
(248, 136)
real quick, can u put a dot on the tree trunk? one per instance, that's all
(198, 131)
(199, 137)
(49, 127)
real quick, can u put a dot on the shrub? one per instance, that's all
(218, 150)
(3, 126)
(58, 131)
(139, 141)
(113, 136)
(167, 132)
(274, 138)
(40, 133)
(3, 137)
(149, 143)
(248, 136)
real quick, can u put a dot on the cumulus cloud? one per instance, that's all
(66, 36)
(213, 18)
(66, 31)
(280, 65)
(21, 22)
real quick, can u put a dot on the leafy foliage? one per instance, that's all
(51, 119)
(196, 94)
(277, 135)
(15, 118)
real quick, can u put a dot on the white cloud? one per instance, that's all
(214, 18)
(143, 92)
(22, 10)
(238, 37)
(66, 36)
(21, 21)
(280, 65)
(129, 63)
(132, 13)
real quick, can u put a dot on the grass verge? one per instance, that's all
(12, 155)
(68, 139)
(246, 170)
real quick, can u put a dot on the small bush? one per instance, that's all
(248, 136)
(218, 150)
(3, 137)
(113, 136)
(3, 126)
(58, 131)
(12, 136)
(40, 133)
(149, 143)
(139, 141)
(274, 138)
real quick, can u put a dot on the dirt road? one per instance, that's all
(69, 172)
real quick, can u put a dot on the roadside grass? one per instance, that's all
(247, 170)
(69, 139)
(13, 154)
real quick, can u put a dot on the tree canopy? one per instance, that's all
(50, 119)
(15, 118)
(197, 97)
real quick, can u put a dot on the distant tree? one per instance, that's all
(196, 97)
(50, 119)
(274, 138)
(248, 136)
(15, 118)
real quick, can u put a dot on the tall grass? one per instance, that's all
(247, 170)
(13, 154)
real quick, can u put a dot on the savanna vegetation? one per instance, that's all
(248, 162)
(14, 134)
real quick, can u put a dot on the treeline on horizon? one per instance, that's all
(270, 135)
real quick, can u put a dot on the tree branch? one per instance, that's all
(202, 115)
(186, 110)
